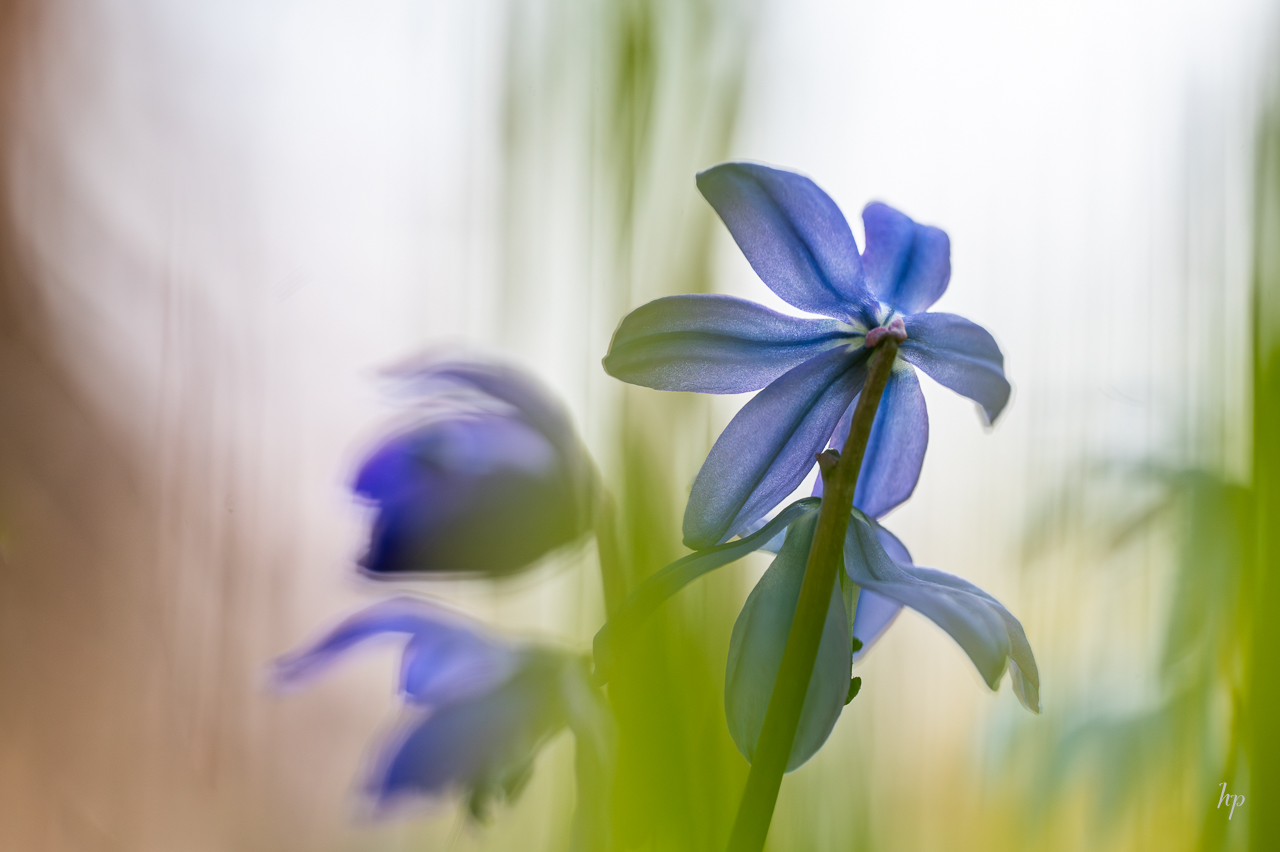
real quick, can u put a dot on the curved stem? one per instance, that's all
(773, 749)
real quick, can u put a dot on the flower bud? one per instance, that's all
(486, 484)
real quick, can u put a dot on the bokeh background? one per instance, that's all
(220, 222)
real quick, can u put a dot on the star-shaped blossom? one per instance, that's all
(489, 479)
(811, 369)
(479, 710)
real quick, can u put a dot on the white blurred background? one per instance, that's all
(222, 220)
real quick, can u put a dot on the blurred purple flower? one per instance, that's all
(480, 709)
(492, 480)
(811, 369)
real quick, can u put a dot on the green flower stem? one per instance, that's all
(612, 576)
(773, 750)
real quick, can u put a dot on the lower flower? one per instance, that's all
(879, 570)
(479, 710)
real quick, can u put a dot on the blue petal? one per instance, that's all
(471, 446)
(794, 236)
(452, 748)
(872, 616)
(713, 344)
(442, 487)
(959, 355)
(1023, 672)
(774, 544)
(895, 448)
(987, 632)
(539, 408)
(483, 744)
(532, 403)
(907, 265)
(445, 659)
(661, 585)
(874, 613)
(756, 649)
(767, 449)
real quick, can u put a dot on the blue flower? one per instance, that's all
(811, 369)
(878, 564)
(492, 479)
(480, 709)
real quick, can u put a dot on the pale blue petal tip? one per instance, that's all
(987, 632)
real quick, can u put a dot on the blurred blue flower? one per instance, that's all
(480, 709)
(489, 481)
(811, 369)
(877, 563)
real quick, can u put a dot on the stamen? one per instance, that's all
(896, 329)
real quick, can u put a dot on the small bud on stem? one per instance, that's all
(827, 460)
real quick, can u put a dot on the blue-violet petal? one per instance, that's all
(713, 344)
(756, 648)
(960, 355)
(872, 616)
(907, 265)
(983, 628)
(531, 402)
(483, 745)
(874, 613)
(443, 487)
(895, 448)
(446, 659)
(768, 448)
(794, 236)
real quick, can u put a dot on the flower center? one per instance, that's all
(896, 329)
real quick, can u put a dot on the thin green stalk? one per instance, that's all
(612, 576)
(773, 750)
